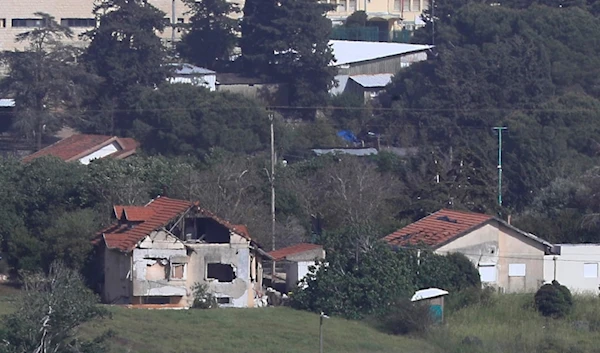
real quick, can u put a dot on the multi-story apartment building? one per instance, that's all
(398, 13)
(18, 16)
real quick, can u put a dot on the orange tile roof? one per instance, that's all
(79, 145)
(133, 213)
(156, 214)
(437, 228)
(159, 212)
(281, 254)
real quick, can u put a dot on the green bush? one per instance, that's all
(406, 317)
(553, 300)
(203, 299)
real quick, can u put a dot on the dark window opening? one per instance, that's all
(78, 22)
(206, 230)
(220, 272)
(447, 219)
(2, 22)
(27, 22)
(224, 300)
(157, 300)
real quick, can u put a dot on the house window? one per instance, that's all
(177, 271)
(405, 5)
(27, 22)
(590, 270)
(341, 6)
(517, 270)
(180, 21)
(397, 5)
(157, 300)
(416, 5)
(351, 5)
(223, 300)
(78, 22)
(487, 272)
(220, 272)
(2, 22)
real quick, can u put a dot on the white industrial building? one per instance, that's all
(576, 267)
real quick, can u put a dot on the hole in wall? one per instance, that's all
(220, 272)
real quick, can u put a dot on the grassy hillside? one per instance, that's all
(508, 325)
(511, 325)
(269, 330)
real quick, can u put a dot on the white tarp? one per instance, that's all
(428, 294)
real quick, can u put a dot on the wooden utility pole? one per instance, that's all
(272, 179)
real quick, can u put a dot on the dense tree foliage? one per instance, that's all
(183, 120)
(210, 38)
(45, 80)
(363, 275)
(288, 41)
(527, 66)
(127, 54)
(360, 276)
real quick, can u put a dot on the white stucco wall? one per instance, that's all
(241, 289)
(507, 252)
(577, 267)
(159, 248)
(207, 81)
(296, 271)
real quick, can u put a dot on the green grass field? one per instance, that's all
(267, 330)
(508, 325)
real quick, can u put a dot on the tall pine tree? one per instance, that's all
(127, 53)
(211, 35)
(288, 40)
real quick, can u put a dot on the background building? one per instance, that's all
(18, 16)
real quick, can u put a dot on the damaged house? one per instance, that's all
(155, 254)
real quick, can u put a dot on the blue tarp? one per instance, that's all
(348, 136)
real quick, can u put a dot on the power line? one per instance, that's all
(515, 256)
(394, 109)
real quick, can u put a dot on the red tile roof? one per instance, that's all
(133, 213)
(281, 254)
(159, 212)
(80, 145)
(156, 214)
(437, 228)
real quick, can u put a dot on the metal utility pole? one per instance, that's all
(500, 129)
(272, 179)
(432, 22)
(323, 316)
(173, 23)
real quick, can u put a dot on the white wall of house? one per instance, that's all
(577, 267)
(101, 153)
(505, 259)
(207, 81)
(296, 271)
